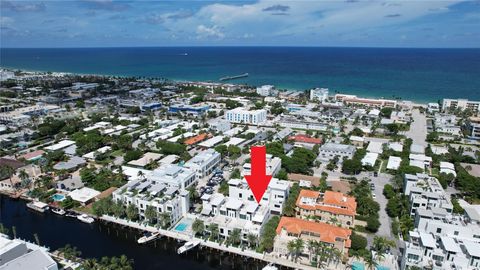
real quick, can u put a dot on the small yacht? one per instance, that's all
(187, 246)
(147, 237)
(71, 214)
(58, 211)
(85, 218)
(38, 206)
(270, 266)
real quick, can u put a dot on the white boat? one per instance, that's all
(147, 237)
(38, 206)
(270, 266)
(187, 246)
(58, 211)
(85, 218)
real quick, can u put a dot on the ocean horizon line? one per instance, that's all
(251, 46)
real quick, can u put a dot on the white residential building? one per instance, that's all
(204, 162)
(17, 254)
(369, 159)
(425, 192)
(241, 115)
(266, 90)
(164, 199)
(329, 150)
(173, 175)
(461, 104)
(240, 210)
(320, 94)
(473, 128)
(394, 163)
(447, 167)
(274, 164)
(442, 241)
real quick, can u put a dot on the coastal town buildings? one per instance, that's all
(330, 150)
(473, 128)
(266, 90)
(16, 254)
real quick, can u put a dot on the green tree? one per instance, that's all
(150, 214)
(235, 237)
(198, 227)
(132, 212)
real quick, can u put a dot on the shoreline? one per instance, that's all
(180, 80)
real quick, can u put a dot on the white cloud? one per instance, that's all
(209, 32)
(5, 21)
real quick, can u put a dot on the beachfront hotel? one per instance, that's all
(320, 94)
(461, 104)
(330, 207)
(242, 115)
(369, 102)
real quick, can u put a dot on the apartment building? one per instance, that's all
(320, 94)
(447, 123)
(274, 164)
(442, 241)
(162, 197)
(425, 192)
(369, 102)
(204, 163)
(330, 207)
(290, 228)
(266, 90)
(173, 175)
(239, 210)
(473, 128)
(461, 104)
(329, 150)
(242, 115)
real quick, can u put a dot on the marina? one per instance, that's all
(114, 239)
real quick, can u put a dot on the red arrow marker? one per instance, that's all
(258, 180)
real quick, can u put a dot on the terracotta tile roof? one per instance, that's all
(328, 233)
(196, 139)
(333, 202)
(33, 154)
(305, 139)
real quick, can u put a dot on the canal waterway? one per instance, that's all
(99, 239)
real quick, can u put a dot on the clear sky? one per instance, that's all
(106, 23)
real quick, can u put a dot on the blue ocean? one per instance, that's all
(412, 74)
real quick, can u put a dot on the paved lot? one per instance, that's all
(418, 128)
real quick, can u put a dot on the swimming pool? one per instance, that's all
(381, 267)
(358, 266)
(181, 227)
(58, 197)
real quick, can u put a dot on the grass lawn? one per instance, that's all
(118, 153)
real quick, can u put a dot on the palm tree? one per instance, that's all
(235, 236)
(141, 174)
(6, 170)
(295, 247)
(369, 261)
(214, 231)
(165, 218)
(198, 226)
(23, 175)
(311, 247)
(252, 240)
(150, 213)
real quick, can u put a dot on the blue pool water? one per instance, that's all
(58, 197)
(181, 227)
(381, 267)
(358, 266)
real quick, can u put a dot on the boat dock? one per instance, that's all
(205, 243)
(227, 78)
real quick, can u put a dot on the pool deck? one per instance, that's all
(269, 258)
